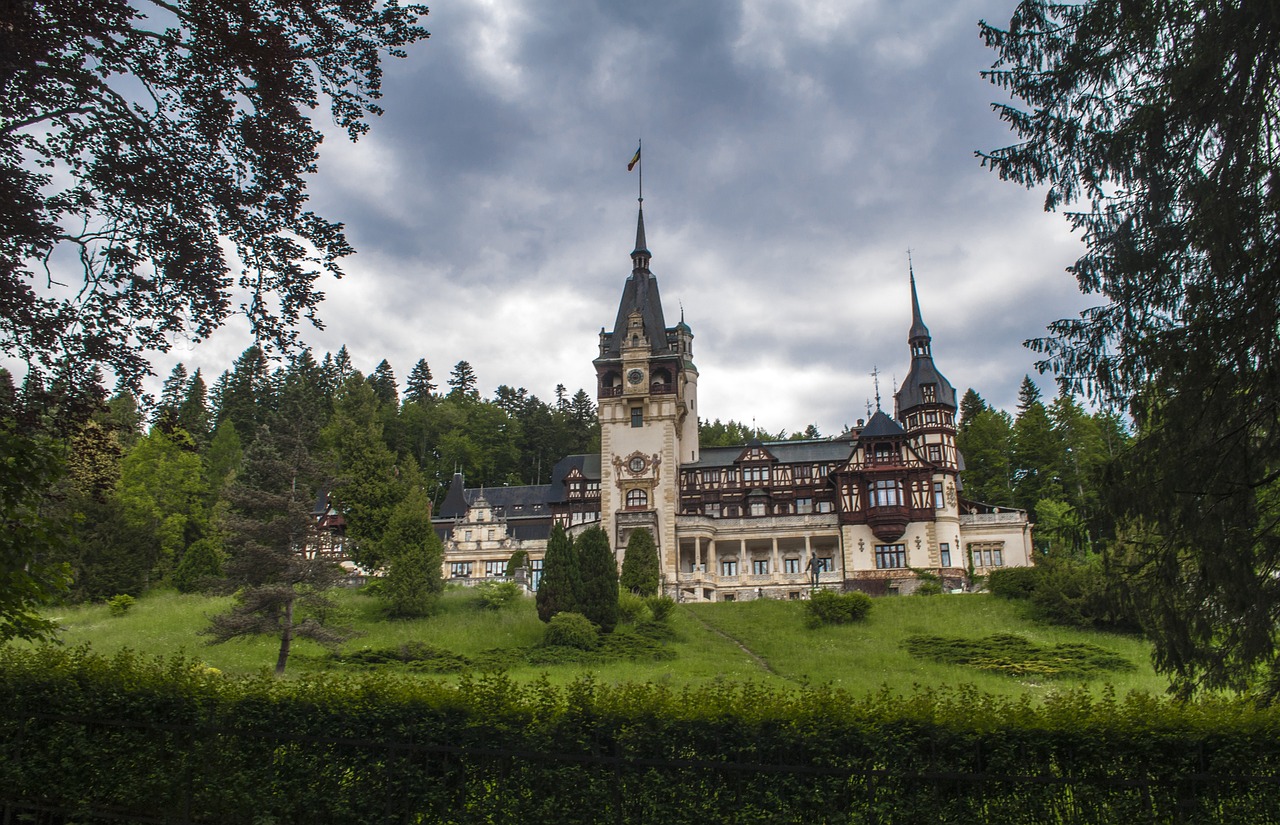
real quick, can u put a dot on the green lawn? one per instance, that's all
(764, 641)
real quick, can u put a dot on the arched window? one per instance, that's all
(637, 500)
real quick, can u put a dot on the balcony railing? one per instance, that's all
(1016, 517)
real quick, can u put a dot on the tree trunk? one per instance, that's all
(286, 638)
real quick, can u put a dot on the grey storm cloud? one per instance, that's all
(793, 151)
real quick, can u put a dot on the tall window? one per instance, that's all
(760, 567)
(929, 393)
(891, 556)
(729, 567)
(886, 493)
(944, 553)
(791, 565)
(637, 416)
(939, 499)
(935, 453)
(637, 499)
(535, 572)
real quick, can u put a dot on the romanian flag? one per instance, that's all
(634, 160)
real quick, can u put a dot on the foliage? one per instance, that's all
(162, 488)
(140, 139)
(1014, 582)
(267, 524)
(518, 559)
(200, 567)
(413, 750)
(571, 630)
(1016, 656)
(632, 608)
(1159, 121)
(27, 578)
(660, 607)
(414, 576)
(829, 607)
(641, 571)
(561, 577)
(120, 604)
(497, 595)
(598, 599)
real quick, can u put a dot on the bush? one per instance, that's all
(632, 609)
(121, 604)
(497, 595)
(829, 607)
(1014, 582)
(200, 566)
(518, 559)
(571, 630)
(660, 607)
(641, 570)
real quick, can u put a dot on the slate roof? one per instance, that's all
(588, 465)
(534, 499)
(787, 452)
(881, 425)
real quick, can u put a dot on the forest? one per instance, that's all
(150, 485)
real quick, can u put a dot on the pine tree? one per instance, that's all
(267, 521)
(641, 571)
(462, 382)
(561, 578)
(171, 396)
(970, 406)
(418, 387)
(383, 382)
(1036, 451)
(599, 595)
(194, 415)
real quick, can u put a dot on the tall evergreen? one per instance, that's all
(1036, 451)
(641, 571)
(599, 595)
(194, 415)
(419, 387)
(267, 521)
(415, 557)
(172, 394)
(383, 382)
(970, 406)
(561, 578)
(462, 382)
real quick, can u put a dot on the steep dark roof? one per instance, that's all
(588, 465)
(640, 294)
(533, 499)
(455, 502)
(923, 371)
(786, 452)
(881, 425)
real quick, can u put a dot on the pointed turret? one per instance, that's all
(639, 295)
(924, 384)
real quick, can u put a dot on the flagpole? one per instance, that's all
(640, 166)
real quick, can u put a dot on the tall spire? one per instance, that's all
(640, 255)
(918, 337)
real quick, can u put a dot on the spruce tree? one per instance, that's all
(599, 599)
(415, 556)
(419, 388)
(383, 381)
(641, 573)
(561, 579)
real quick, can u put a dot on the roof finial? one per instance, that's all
(875, 375)
(918, 337)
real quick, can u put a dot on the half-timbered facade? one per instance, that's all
(864, 510)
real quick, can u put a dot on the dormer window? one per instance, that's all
(929, 392)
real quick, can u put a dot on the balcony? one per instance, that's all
(888, 522)
(975, 519)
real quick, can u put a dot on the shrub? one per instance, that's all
(599, 568)
(660, 607)
(121, 604)
(1014, 582)
(829, 607)
(631, 608)
(571, 630)
(200, 566)
(641, 570)
(497, 595)
(518, 559)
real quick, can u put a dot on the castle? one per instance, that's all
(865, 510)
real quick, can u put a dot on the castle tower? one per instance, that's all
(647, 394)
(926, 407)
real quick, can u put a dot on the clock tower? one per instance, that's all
(647, 390)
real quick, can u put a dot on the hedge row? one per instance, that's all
(98, 739)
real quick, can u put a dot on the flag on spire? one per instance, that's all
(634, 160)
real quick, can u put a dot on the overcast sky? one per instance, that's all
(793, 151)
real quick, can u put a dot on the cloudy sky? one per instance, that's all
(794, 150)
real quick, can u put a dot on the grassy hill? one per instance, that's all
(765, 642)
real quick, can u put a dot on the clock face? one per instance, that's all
(637, 464)
(635, 376)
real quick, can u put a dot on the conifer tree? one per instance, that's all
(383, 381)
(561, 578)
(415, 556)
(1036, 451)
(462, 382)
(268, 521)
(641, 571)
(599, 595)
(193, 413)
(419, 387)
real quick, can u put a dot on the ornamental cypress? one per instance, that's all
(640, 566)
(599, 601)
(561, 579)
